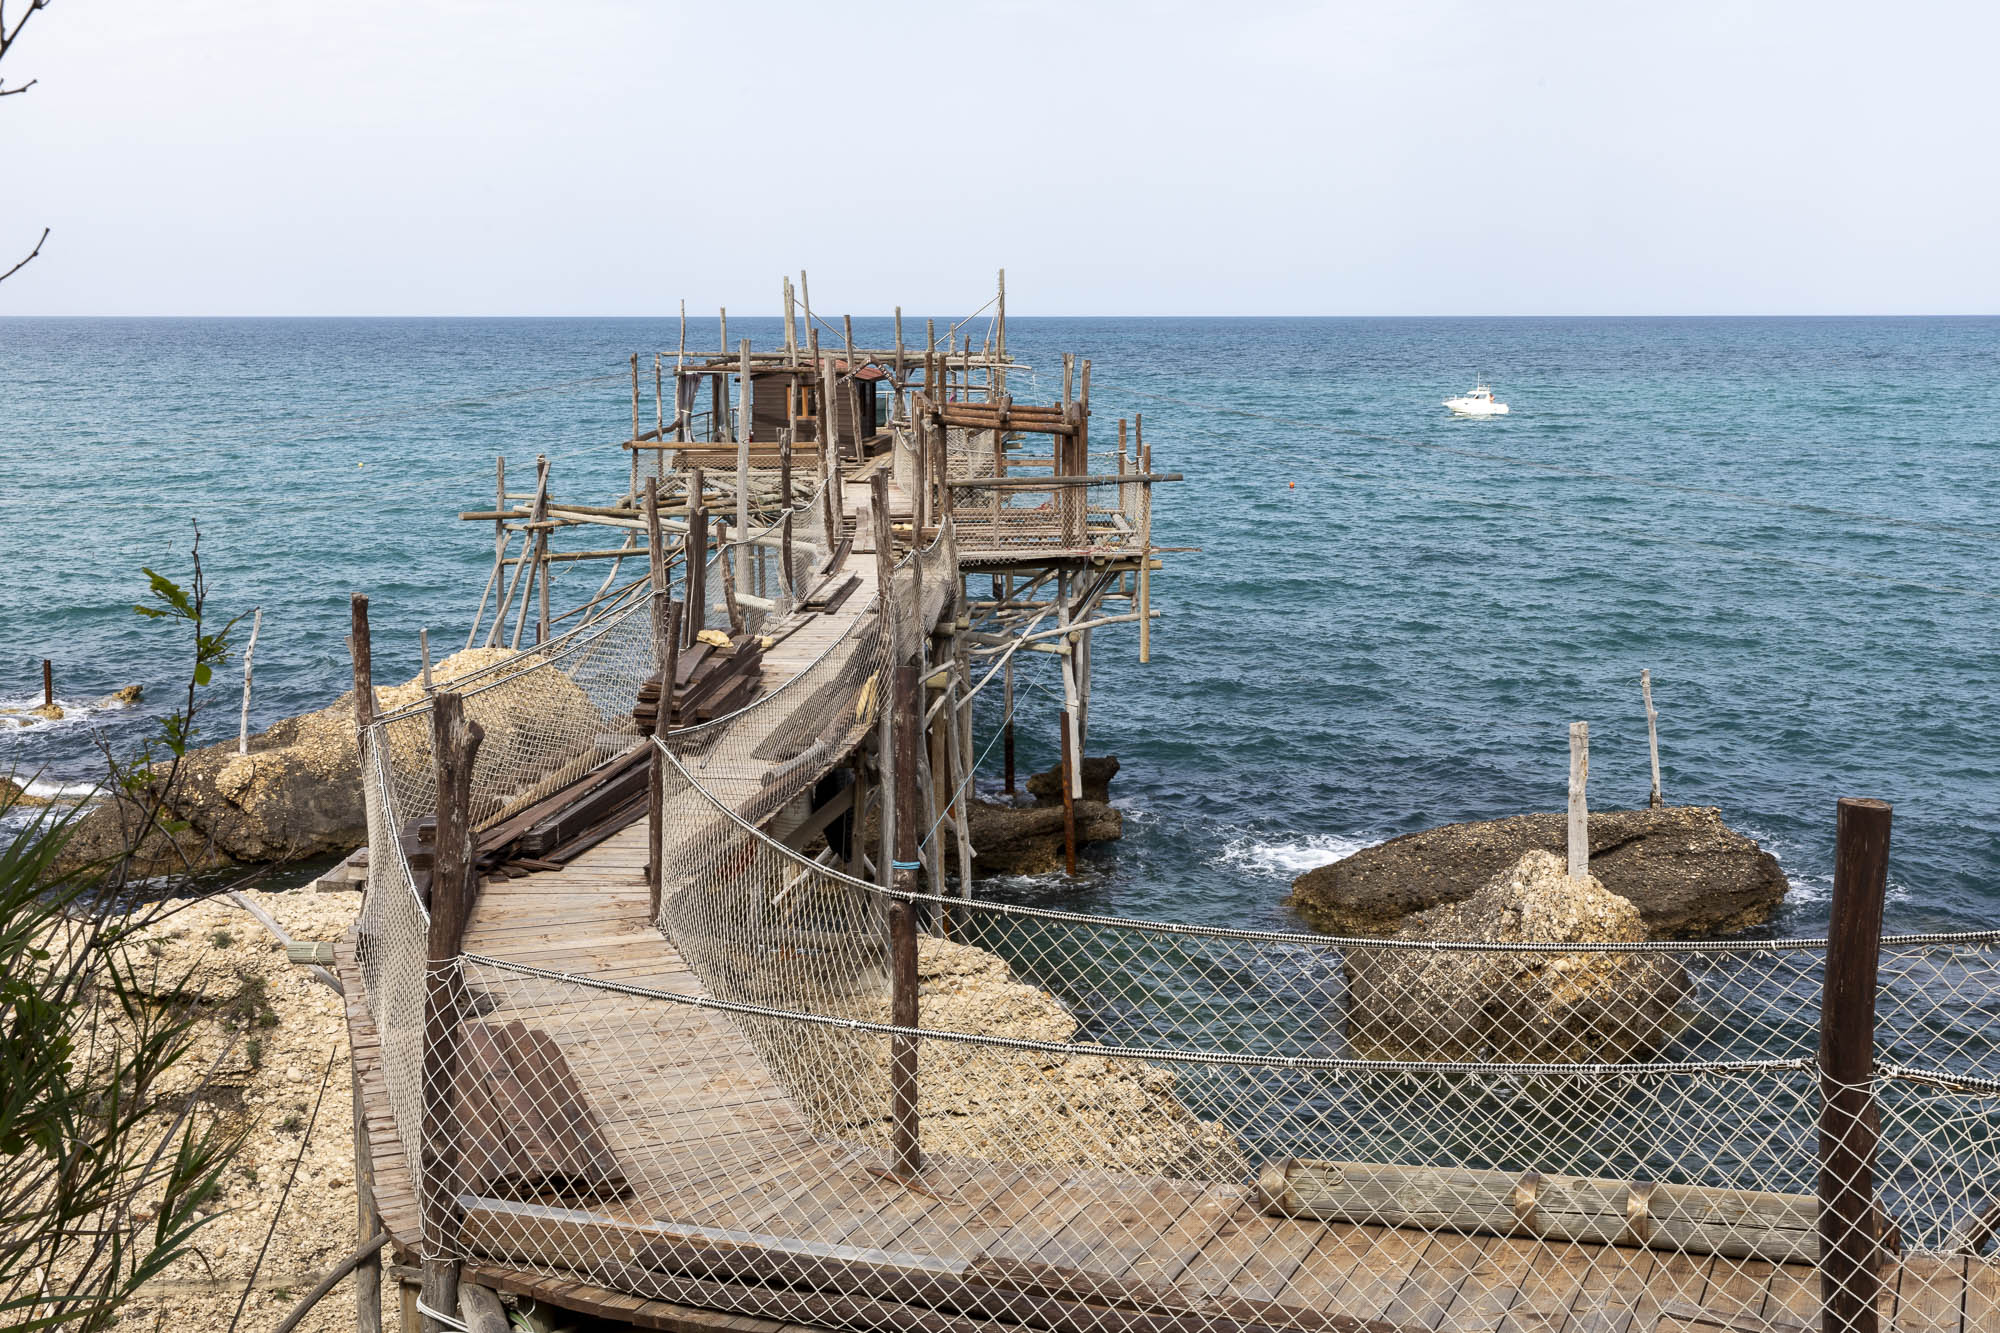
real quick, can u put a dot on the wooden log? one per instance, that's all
(696, 595)
(1069, 766)
(1144, 458)
(49, 680)
(1688, 1219)
(785, 577)
(455, 743)
(743, 431)
(367, 1253)
(364, 668)
(906, 1148)
(1850, 1249)
(1579, 806)
(479, 1307)
(728, 569)
(1652, 734)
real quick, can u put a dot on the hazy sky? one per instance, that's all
(599, 157)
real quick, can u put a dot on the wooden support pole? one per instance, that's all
(367, 1223)
(635, 425)
(785, 579)
(697, 572)
(424, 660)
(480, 1310)
(1652, 734)
(1144, 456)
(455, 748)
(906, 1149)
(1069, 767)
(48, 683)
(727, 568)
(791, 323)
(1850, 1278)
(666, 652)
(1579, 806)
(500, 538)
(249, 651)
(364, 666)
(902, 407)
(743, 471)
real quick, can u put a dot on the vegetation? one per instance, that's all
(109, 1160)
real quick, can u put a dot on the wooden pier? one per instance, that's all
(580, 1086)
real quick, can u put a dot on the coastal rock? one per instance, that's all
(47, 712)
(1413, 1004)
(125, 698)
(1028, 839)
(1098, 770)
(297, 792)
(995, 1103)
(16, 796)
(1685, 870)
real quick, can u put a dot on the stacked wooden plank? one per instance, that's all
(710, 681)
(525, 1130)
(554, 830)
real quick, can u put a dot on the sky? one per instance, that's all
(611, 157)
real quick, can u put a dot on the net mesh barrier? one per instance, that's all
(1129, 1125)
(1006, 521)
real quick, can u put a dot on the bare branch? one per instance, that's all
(9, 92)
(24, 263)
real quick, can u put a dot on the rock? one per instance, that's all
(126, 697)
(13, 794)
(297, 793)
(991, 1102)
(1686, 871)
(1407, 1004)
(1028, 839)
(47, 712)
(1046, 786)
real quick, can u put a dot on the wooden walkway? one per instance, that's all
(722, 1164)
(735, 1207)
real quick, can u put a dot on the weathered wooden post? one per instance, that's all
(367, 1222)
(1850, 1281)
(785, 523)
(364, 667)
(1579, 807)
(1143, 454)
(696, 553)
(635, 425)
(1652, 734)
(743, 428)
(906, 1147)
(243, 727)
(48, 683)
(454, 748)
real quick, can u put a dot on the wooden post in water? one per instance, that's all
(906, 1147)
(48, 683)
(1579, 805)
(697, 568)
(1850, 1281)
(454, 747)
(1652, 734)
(1143, 455)
(243, 728)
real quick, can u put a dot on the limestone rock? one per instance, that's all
(1098, 770)
(13, 794)
(1028, 839)
(1414, 1004)
(1685, 870)
(995, 1103)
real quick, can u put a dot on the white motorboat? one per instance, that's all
(1478, 403)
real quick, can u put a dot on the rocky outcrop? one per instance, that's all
(996, 1103)
(297, 793)
(1028, 839)
(1685, 870)
(1511, 1005)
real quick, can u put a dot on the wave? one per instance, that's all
(1251, 854)
(17, 720)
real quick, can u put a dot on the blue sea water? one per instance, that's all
(1391, 620)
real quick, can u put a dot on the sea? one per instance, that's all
(1378, 618)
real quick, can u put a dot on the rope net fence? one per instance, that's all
(1128, 1125)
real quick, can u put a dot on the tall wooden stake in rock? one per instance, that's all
(1850, 1281)
(454, 747)
(1579, 807)
(1652, 734)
